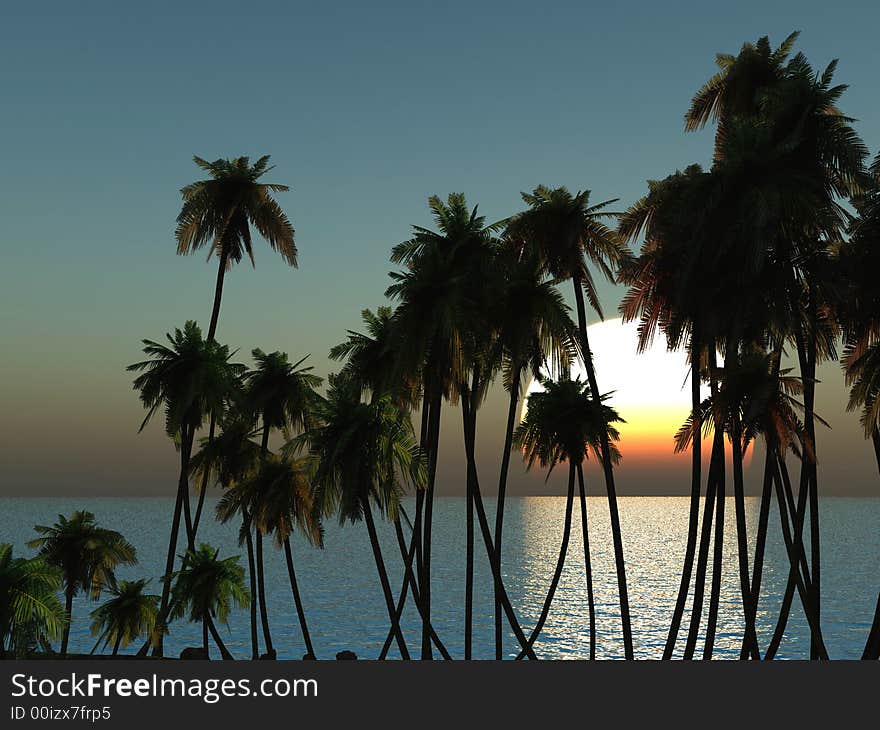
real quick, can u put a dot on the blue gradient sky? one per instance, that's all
(366, 110)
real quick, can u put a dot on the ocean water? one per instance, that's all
(345, 609)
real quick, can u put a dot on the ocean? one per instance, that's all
(345, 608)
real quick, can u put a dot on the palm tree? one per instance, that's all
(567, 232)
(283, 395)
(231, 457)
(563, 424)
(220, 210)
(535, 333)
(362, 455)
(125, 617)
(87, 556)
(278, 497)
(436, 296)
(191, 379)
(30, 612)
(783, 145)
(207, 588)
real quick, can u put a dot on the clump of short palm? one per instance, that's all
(127, 615)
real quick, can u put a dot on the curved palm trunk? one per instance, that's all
(117, 643)
(494, 563)
(872, 644)
(300, 612)
(224, 652)
(261, 578)
(469, 425)
(204, 485)
(425, 577)
(761, 536)
(694, 516)
(218, 293)
(502, 492)
(252, 582)
(750, 637)
(716, 459)
(588, 563)
(608, 470)
(383, 578)
(68, 609)
(560, 561)
(717, 567)
(261, 592)
(182, 489)
(205, 638)
(806, 348)
(798, 561)
(409, 580)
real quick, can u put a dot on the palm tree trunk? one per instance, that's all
(252, 581)
(872, 644)
(68, 610)
(224, 652)
(204, 485)
(469, 416)
(117, 643)
(798, 561)
(383, 577)
(300, 612)
(502, 491)
(425, 586)
(608, 469)
(717, 567)
(218, 292)
(409, 580)
(494, 563)
(588, 563)
(694, 517)
(716, 463)
(750, 638)
(261, 579)
(205, 637)
(560, 561)
(182, 489)
(261, 591)
(807, 360)
(761, 536)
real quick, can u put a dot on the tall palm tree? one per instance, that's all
(191, 379)
(563, 424)
(436, 295)
(87, 556)
(127, 616)
(535, 334)
(230, 458)
(362, 455)
(30, 612)
(207, 588)
(283, 395)
(220, 210)
(570, 236)
(278, 497)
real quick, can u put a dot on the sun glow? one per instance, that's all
(650, 390)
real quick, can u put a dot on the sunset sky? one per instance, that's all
(102, 112)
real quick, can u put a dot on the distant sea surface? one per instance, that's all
(345, 609)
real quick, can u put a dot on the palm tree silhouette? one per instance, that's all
(278, 497)
(30, 612)
(219, 211)
(534, 333)
(87, 556)
(230, 458)
(362, 455)
(191, 379)
(567, 233)
(127, 616)
(207, 588)
(283, 395)
(563, 424)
